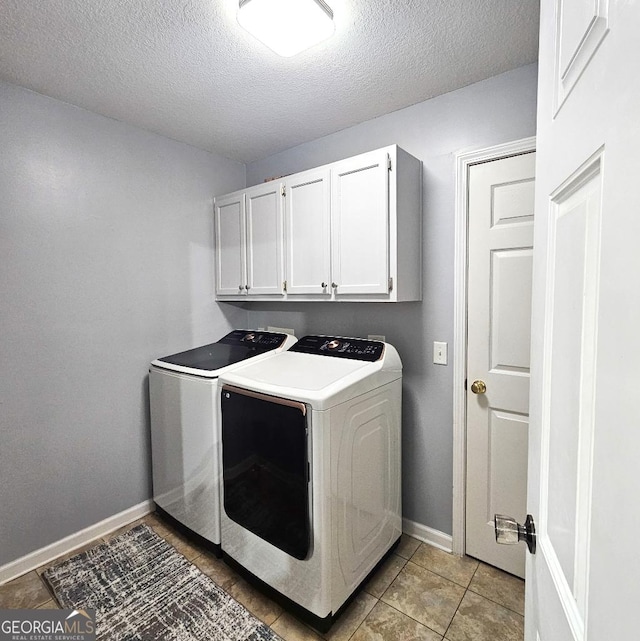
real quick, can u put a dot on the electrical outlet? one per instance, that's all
(439, 353)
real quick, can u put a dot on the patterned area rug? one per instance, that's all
(143, 589)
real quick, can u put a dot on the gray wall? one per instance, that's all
(105, 240)
(106, 247)
(497, 110)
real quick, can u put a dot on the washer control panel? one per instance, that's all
(355, 348)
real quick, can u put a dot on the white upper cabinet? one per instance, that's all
(352, 232)
(248, 242)
(230, 245)
(307, 233)
(264, 239)
(360, 225)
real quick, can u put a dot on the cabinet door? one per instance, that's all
(264, 239)
(307, 233)
(230, 245)
(360, 224)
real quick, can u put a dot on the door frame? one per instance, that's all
(464, 160)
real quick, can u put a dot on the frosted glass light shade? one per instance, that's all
(287, 26)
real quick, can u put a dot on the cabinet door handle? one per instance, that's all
(240, 287)
(334, 285)
(323, 285)
(246, 287)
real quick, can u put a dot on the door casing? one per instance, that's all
(463, 161)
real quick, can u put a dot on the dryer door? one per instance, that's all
(265, 466)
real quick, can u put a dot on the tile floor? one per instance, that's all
(421, 593)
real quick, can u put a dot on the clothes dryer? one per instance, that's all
(311, 470)
(185, 436)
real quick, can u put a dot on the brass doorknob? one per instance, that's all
(478, 387)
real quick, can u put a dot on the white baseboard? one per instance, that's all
(428, 535)
(52, 551)
(44, 555)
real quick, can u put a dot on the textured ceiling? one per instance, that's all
(187, 70)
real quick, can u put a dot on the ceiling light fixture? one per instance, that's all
(287, 26)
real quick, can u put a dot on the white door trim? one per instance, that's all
(463, 161)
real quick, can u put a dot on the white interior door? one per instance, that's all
(501, 207)
(584, 580)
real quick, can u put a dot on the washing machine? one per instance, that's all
(185, 439)
(311, 470)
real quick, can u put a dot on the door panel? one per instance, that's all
(508, 433)
(264, 239)
(581, 27)
(307, 233)
(575, 24)
(510, 338)
(360, 225)
(230, 245)
(499, 315)
(568, 430)
(512, 202)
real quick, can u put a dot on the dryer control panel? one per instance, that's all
(355, 348)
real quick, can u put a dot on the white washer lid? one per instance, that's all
(322, 381)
